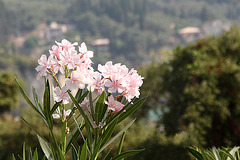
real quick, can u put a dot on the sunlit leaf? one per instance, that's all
(45, 148)
(116, 136)
(84, 151)
(127, 154)
(80, 110)
(99, 109)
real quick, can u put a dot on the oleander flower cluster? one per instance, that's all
(74, 62)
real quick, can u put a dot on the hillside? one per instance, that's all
(134, 28)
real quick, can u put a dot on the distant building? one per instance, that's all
(190, 33)
(101, 44)
(55, 31)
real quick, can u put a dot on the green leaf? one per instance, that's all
(108, 132)
(216, 153)
(79, 154)
(87, 121)
(39, 106)
(99, 109)
(73, 137)
(13, 157)
(64, 126)
(79, 98)
(106, 155)
(115, 116)
(131, 109)
(34, 129)
(82, 97)
(234, 151)
(29, 154)
(195, 153)
(91, 105)
(116, 136)
(55, 106)
(121, 143)
(46, 104)
(205, 155)
(84, 151)
(55, 150)
(24, 152)
(45, 148)
(79, 94)
(127, 154)
(35, 155)
(226, 155)
(74, 153)
(26, 97)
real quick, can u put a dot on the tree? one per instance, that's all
(199, 91)
(8, 92)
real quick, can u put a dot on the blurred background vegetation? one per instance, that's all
(187, 50)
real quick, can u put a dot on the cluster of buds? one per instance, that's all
(76, 66)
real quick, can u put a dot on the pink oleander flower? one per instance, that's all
(85, 54)
(56, 66)
(66, 45)
(85, 103)
(85, 67)
(114, 105)
(69, 59)
(56, 51)
(114, 84)
(58, 114)
(44, 64)
(106, 69)
(77, 80)
(61, 95)
(95, 82)
(132, 84)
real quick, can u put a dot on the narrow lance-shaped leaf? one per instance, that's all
(55, 106)
(131, 109)
(79, 98)
(91, 105)
(82, 97)
(195, 153)
(121, 143)
(127, 154)
(80, 110)
(79, 94)
(46, 102)
(108, 132)
(35, 155)
(116, 136)
(74, 153)
(204, 155)
(84, 151)
(216, 153)
(119, 113)
(99, 108)
(106, 155)
(30, 154)
(73, 137)
(34, 129)
(45, 148)
(24, 152)
(39, 106)
(13, 157)
(26, 97)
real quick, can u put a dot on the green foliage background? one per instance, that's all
(196, 94)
